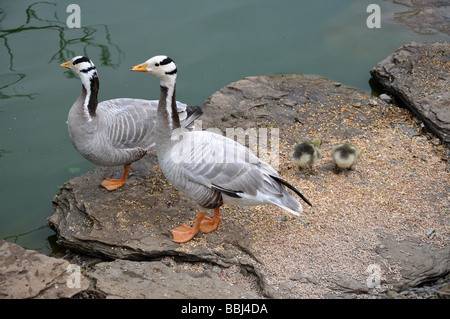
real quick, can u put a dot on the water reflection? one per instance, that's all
(51, 245)
(95, 37)
(2, 152)
(16, 238)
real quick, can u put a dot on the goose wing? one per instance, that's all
(220, 163)
(130, 122)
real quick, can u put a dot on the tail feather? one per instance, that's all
(283, 182)
(290, 204)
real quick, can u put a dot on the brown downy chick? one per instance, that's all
(345, 155)
(307, 153)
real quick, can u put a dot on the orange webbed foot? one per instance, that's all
(210, 224)
(112, 184)
(185, 233)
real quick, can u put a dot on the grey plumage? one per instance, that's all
(118, 131)
(207, 166)
(215, 163)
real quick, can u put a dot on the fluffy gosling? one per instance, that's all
(345, 155)
(307, 153)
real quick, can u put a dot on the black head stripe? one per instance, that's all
(174, 71)
(88, 69)
(166, 61)
(79, 60)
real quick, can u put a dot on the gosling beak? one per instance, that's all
(66, 64)
(140, 67)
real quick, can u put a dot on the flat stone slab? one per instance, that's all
(410, 254)
(162, 280)
(418, 76)
(399, 188)
(27, 274)
(133, 222)
(424, 16)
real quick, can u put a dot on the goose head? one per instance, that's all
(83, 67)
(317, 142)
(160, 66)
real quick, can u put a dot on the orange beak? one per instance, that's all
(66, 64)
(140, 67)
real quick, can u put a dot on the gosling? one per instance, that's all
(345, 155)
(307, 153)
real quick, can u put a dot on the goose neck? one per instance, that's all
(90, 87)
(167, 117)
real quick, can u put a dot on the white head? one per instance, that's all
(83, 67)
(160, 66)
(88, 74)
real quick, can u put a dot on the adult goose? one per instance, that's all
(113, 132)
(208, 167)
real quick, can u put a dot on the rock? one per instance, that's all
(156, 280)
(304, 277)
(255, 97)
(418, 75)
(251, 89)
(346, 284)
(424, 16)
(419, 262)
(27, 274)
(386, 98)
(131, 225)
(373, 103)
(133, 222)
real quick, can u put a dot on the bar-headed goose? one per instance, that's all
(208, 167)
(113, 132)
(345, 155)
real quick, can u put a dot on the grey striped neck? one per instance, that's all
(90, 91)
(167, 108)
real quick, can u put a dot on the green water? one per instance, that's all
(213, 42)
